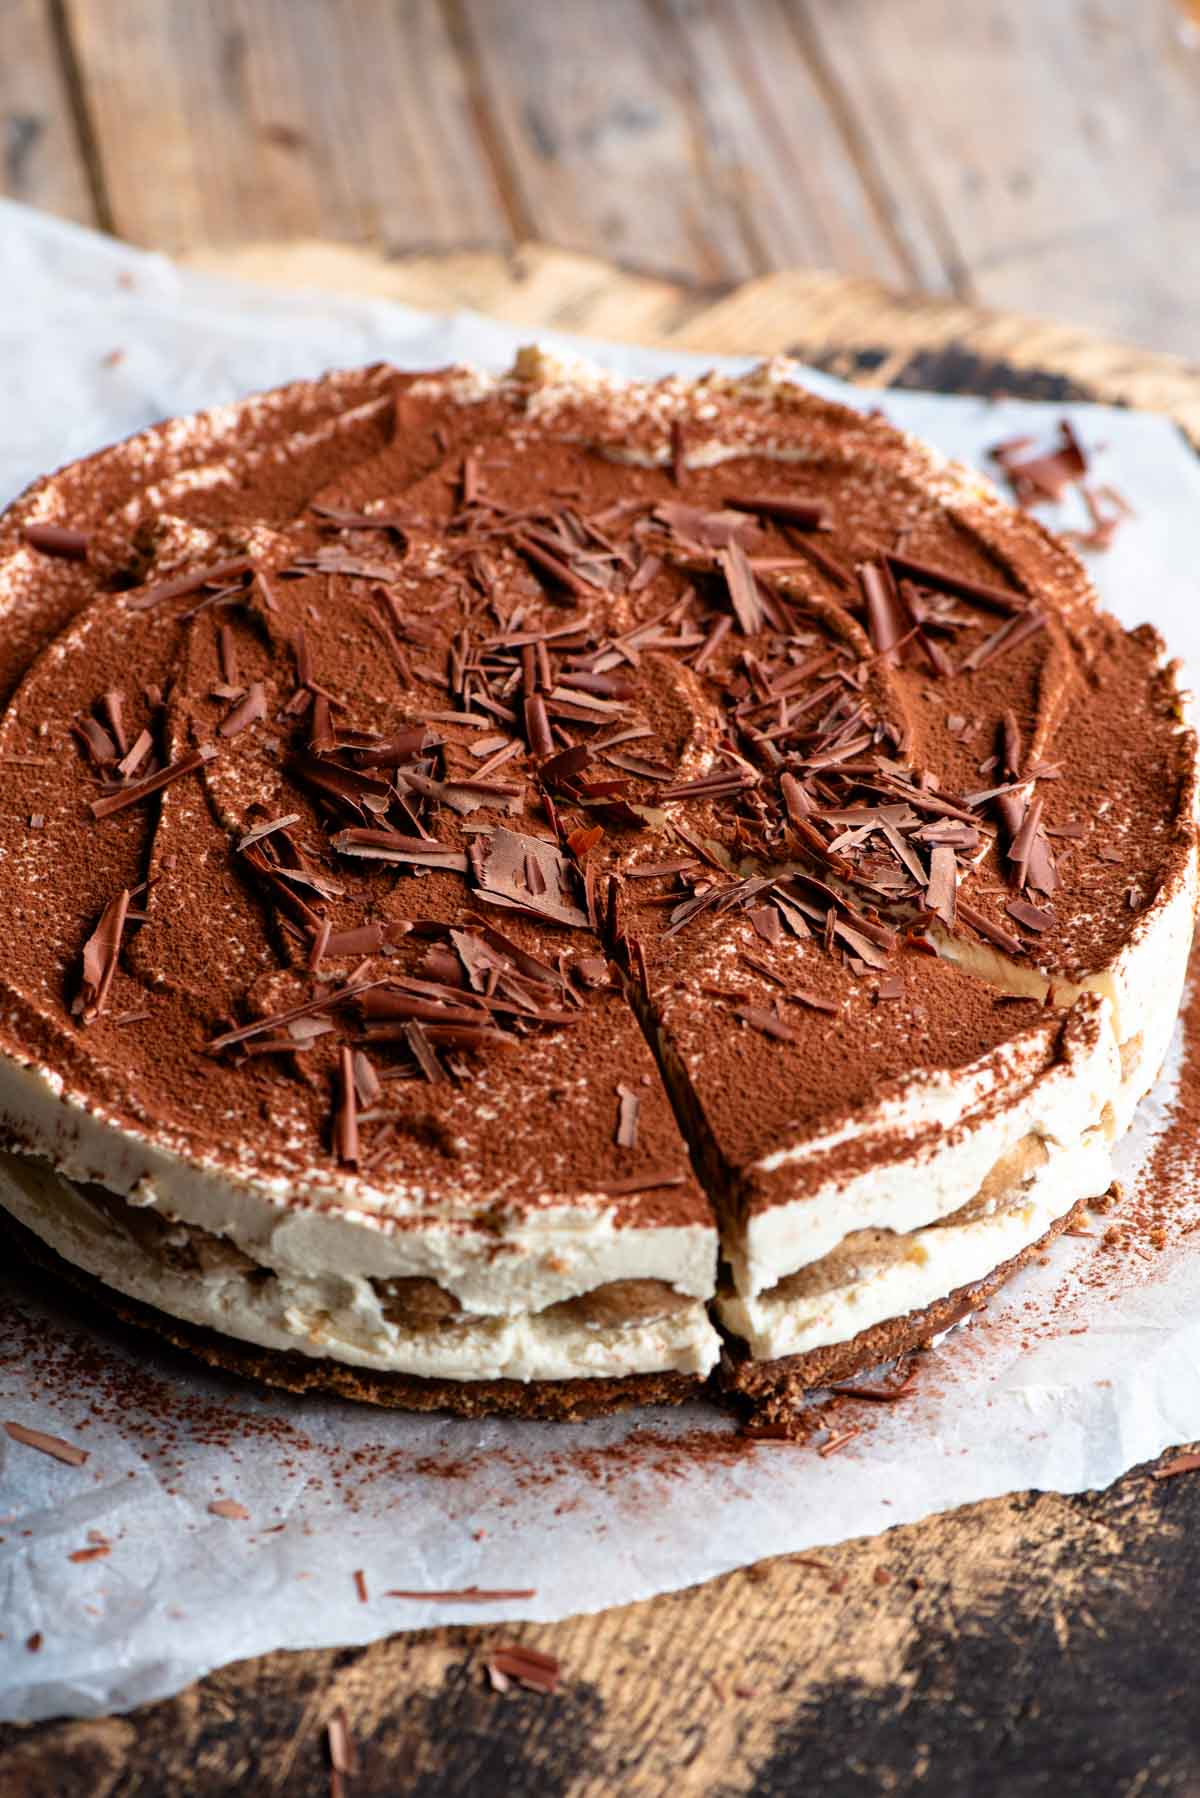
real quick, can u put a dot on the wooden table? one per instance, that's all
(1042, 155)
(1035, 1644)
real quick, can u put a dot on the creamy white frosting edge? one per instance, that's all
(333, 1318)
(938, 1260)
(1132, 1004)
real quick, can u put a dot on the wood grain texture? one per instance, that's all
(1054, 149)
(854, 327)
(284, 118)
(41, 158)
(595, 129)
(1040, 157)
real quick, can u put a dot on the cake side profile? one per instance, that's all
(478, 852)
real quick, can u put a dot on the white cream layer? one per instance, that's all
(935, 1262)
(1115, 1043)
(332, 1317)
(316, 1227)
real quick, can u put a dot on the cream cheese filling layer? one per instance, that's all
(1114, 1045)
(329, 1317)
(909, 1272)
(310, 1230)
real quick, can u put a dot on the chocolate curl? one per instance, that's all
(347, 1114)
(101, 954)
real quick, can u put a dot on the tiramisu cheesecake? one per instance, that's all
(529, 893)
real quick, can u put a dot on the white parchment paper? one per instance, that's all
(1085, 1365)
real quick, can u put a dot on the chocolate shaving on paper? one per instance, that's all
(54, 1446)
(464, 1594)
(230, 1509)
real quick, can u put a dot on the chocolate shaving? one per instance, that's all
(96, 741)
(1006, 638)
(1169, 1470)
(250, 710)
(154, 783)
(768, 1022)
(326, 1002)
(426, 1058)
(539, 1672)
(101, 954)
(1043, 476)
(801, 514)
(130, 763)
(347, 1113)
(537, 726)
(343, 1756)
(391, 846)
(743, 589)
(984, 927)
(57, 540)
(259, 831)
(182, 584)
(944, 580)
(941, 890)
(54, 1446)
(544, 562)
(886, 624)
(1034, 917)
(648, 1182)
(628, 1107)
(229, 1508)
(504, 878)
(113, 705)
(465, 1594)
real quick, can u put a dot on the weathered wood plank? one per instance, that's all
(1056, 147)
(41, 160)
(596, 136)
(773, 144)
(280, 118)
(687, 138)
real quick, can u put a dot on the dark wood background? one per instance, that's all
(1040, 154)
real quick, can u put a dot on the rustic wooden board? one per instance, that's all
(1050, 149)
(1042, 156)
(41, 157)
(1035, 1644)
(858, 328)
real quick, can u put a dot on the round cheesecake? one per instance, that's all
(516, 886)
